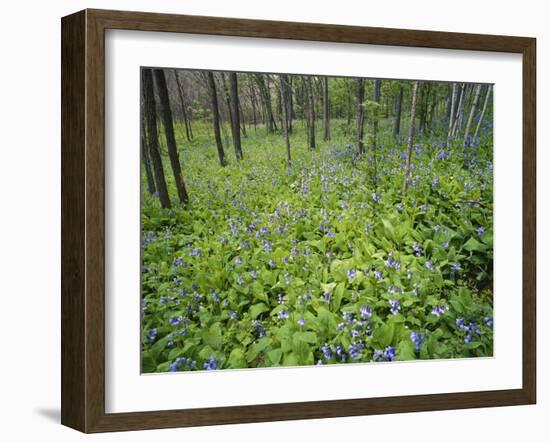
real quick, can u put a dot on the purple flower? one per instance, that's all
(233, 314)
(418, 339)
(351, 273)
(176, 321)
(489, 321)
(151, 335)
(365, 312)
(376, 197)
(439, 310)
(429, 265)
(238, 260)
(212, 364)
(417, 249)
(301, 321)
(327, 353)
(283, 314)
(437, 228)
(195, 252)
(480, 231)
(395, 306)
(378, 275)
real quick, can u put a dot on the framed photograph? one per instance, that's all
(266, 221)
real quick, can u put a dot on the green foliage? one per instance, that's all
(269, 266)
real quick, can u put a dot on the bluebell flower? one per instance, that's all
(365, 311)
(417, 249)
(238, 260)
(429, 265)
(212, 364)
(327, 353)
(376, 197)
(439, 310)
(489, 321)
(395, 306)
(283, 314)
(195, 252)
(437, 228)
(233, 314)
(151, 335)
(480, 231)
(418, 339)
(378, 275)
(301, 321)
(355, 350)
(176, 321)
(351, 273)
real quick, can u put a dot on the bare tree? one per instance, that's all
(215, 116)
(452, 117)
(186, 122)
(410, 138)
(471, 117)
(166, 114)
(484, 110)
(285, 108)
(152, 133)
(145, 158)
(397, 122)
(235, 115)
(326, 117)
(360, 115)
(311, 113)
(266, 99)
(460, 112)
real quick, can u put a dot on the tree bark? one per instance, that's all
(215, 116)
(285, 108)
(326, 117)
(452, 116)
(235, 116)
(266, 98)
(489, 90)
(151, 123)
(146, 162)
(460, 112)
(376, 113)
(397, 122)
(166, 114)
(311, 112)
(471, 117)
(410, 138)
(188, 132)
(360, 115)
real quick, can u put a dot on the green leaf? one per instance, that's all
(406, 350)
(383, 335)
(474, 245)
(275, 356)
(213, 336)
(257, 348)
(338, 294)
(237, 359)
(257, 309)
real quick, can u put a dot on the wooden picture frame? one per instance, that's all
(83, 220)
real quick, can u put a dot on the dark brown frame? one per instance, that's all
(83, 216)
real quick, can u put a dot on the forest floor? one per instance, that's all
(323, 262)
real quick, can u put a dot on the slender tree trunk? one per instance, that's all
(410, 138)
(360, 115)
(326, 117)
(460, 112)
(478, 127)
(376, 114)
(253, 104)
(145, 158)
(291, 114)
(266, 98)
(166, 114)
(152, 133)
(215, 116)
(397, 122)
(471, 117)
(235, 117)
(188, 132)
(243, 119)
(285, 108)
(311, 112)
(452, 116)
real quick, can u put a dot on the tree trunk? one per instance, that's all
(376, 114)
(188, 132)
(326, 117)
(253, 104)
(235, 116)
(311, 113)
(152, 133)
(215, 116)
(145, 158)
(460, 112)
(266, 98)
(410, 138)
(471, 117)
(360, 115)
(452, 117)
(489, 90)
(285, 108)
(166, 114)
(397, 122)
